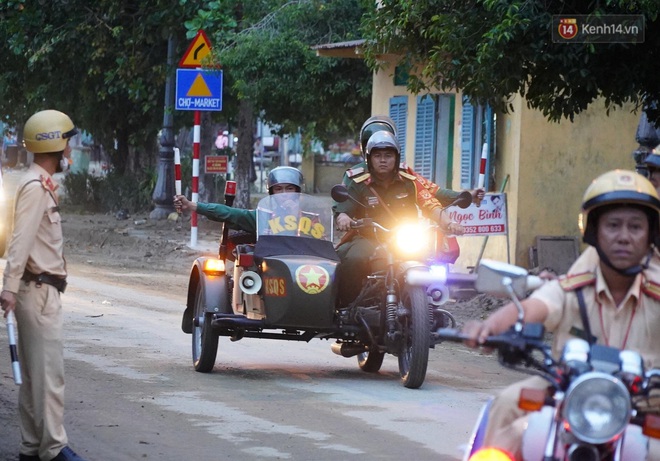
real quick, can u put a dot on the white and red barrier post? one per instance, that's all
(195, 177)
(482, 166)
(482, 169)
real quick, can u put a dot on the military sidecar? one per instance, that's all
(283, 286)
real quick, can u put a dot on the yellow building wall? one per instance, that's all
(557, 161)
(549, 165)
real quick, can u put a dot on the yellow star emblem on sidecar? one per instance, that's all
(312, 279)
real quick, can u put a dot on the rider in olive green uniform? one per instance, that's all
(388, 195)
(385, 123)
(280, 179)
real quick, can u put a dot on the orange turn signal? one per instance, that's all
(491, 454)
(532, 399)
(214, 266)
(651, 426)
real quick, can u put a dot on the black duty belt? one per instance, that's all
(48, 279)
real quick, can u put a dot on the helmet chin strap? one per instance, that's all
(630, 271)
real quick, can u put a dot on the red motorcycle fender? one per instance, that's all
(216, 294)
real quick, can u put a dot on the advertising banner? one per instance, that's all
(489, 218)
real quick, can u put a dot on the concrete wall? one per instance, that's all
(327, 174)
(557, 161)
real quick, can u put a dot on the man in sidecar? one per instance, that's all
(617, 292)
(283, 179)
(388, 195)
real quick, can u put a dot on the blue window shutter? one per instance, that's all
(399, 113)
(467, 145)
(425, 136)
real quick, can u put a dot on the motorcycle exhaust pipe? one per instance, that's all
(347, 349)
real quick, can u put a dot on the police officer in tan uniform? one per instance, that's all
(34, 277)
(620, 286)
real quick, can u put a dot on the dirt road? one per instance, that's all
(132, 394)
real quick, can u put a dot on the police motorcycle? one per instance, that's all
(598, 404)
(284, 287)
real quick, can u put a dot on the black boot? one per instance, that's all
(22, 457)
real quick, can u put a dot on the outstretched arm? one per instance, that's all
(500, 321)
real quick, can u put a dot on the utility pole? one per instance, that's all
(164, 190)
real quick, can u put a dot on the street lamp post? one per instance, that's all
(164, 190)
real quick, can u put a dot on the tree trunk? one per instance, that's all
(244, 153)
(120, 155)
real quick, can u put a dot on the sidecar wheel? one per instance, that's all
(370, 361)
(414, 351)
(204, 340)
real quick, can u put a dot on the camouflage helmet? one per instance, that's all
(618, 187)
(48, 131)
(284, 175)
(372, 125)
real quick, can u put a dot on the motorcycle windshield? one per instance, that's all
(294, 214)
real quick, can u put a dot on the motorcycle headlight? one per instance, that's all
(413, 239)
(597, 407)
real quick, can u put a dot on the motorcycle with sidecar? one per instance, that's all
(283, 286)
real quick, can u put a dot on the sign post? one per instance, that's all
(197, 90)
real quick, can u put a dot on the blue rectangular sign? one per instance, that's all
(198, 89)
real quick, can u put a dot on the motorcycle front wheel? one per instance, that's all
(204, 340)
(416, 340)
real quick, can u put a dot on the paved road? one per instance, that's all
(132, 393)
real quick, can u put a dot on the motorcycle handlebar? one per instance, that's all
(367, 222)
(508, 339)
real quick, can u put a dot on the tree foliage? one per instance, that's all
(105, 63)
(270, 70)
(267, 58)
(494, 49)
(102, 62)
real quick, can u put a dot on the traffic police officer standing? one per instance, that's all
(34, 277)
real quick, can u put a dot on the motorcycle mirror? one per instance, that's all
(463, 200)
(491, 274)
(339, 194)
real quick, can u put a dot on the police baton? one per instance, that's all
(177, 171)
(16, 367)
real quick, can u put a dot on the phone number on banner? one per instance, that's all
(485, 229)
